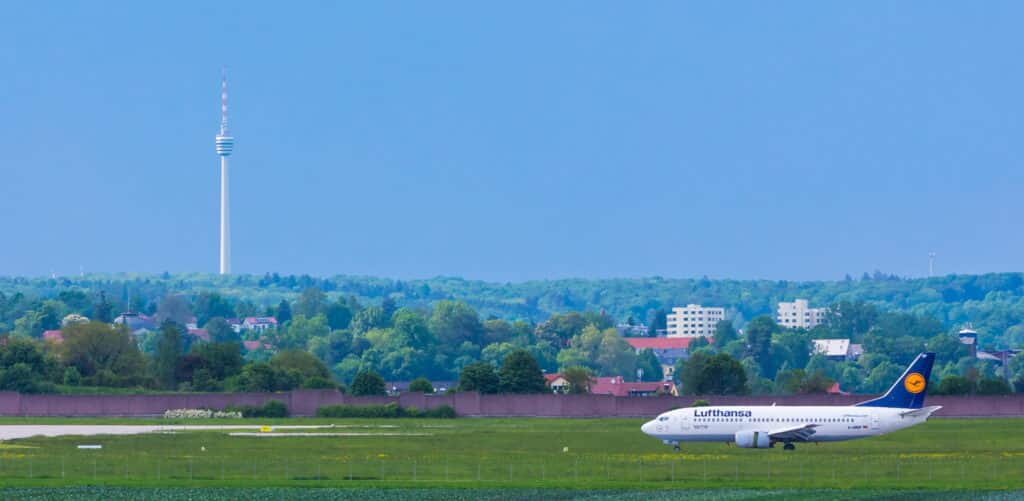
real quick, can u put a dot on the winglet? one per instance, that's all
(909, 390)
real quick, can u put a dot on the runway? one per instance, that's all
(13, 432)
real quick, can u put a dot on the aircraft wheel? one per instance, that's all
(789, 447)
(675, 447)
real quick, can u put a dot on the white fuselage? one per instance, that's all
(831, 423)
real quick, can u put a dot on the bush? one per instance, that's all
(479, 376)
(993, 386)
(391, 410)
(421, 385)
(275, 409)
(700, 403)
(319, 383)
(72, 377)
(368, 383)
(441, 412)
(955, 385)
(19, 378)
(271, 409)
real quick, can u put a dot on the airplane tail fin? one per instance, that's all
(908, 391)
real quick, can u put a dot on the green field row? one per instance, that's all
(521, 453)
(441, 494)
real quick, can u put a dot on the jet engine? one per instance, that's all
(749, 439)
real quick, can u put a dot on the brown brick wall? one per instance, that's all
(305, 403)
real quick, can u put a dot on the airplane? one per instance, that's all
(761, 427)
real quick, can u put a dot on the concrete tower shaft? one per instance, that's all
(225, 145)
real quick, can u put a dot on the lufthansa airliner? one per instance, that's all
(764, 426)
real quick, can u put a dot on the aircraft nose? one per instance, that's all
(648, 427)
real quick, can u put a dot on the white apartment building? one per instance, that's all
(693, 320)
(800, 314)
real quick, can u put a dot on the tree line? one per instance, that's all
(993, 302)
(326, 339)
(770, 359)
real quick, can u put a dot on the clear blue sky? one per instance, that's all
(792, 140)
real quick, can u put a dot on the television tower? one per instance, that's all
(931, 264)
(225, 143)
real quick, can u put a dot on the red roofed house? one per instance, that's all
(557, 383)
(256, 345)
(669, 350)
(618, 387)
(258, 324)
(199, 333)
(55, 337)
(834, 390)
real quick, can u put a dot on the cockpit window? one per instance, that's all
(663, 418)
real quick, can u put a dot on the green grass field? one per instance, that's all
(524, 454)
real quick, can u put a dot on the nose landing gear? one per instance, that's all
(789, 446)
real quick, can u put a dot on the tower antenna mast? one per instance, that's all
(225, 145)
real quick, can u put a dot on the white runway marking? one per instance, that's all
(12, 432)
(343, 434)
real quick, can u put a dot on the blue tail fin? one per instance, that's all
(908, 391)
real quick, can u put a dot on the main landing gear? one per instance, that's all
(675, 447)
(789, 446)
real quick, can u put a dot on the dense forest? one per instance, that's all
(993, 303)
(329, 330)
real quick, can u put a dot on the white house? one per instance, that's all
(838, 349)
(693, 320)
(258, 324)
(799, 314)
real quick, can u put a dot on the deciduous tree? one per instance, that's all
(102, 352)
(368, 383)
(174, 308)
(704, 374)
(220, 331)
(165, 359)
(480, 377)
(759, 343)
(521, 374)
(649, 366)
(579, 379)
(421, 385)
(311, 303)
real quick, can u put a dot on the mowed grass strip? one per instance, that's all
(439, 494)
(517, 453)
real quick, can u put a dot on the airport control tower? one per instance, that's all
(225, 143)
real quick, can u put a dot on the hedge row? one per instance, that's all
(391, 410)
(271, 409)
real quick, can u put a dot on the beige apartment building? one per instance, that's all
(799, 314)
(693, 320)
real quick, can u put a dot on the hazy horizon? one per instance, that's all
(854, 277)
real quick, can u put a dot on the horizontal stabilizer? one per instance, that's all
(922, 412)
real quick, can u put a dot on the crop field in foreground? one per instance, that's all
(461, 456)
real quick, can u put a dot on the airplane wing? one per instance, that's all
(794, 433)
(922, 412)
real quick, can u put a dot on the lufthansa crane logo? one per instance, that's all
(914, 383)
